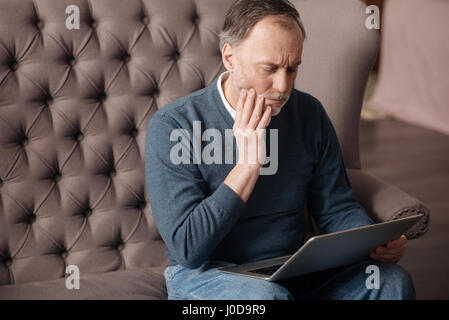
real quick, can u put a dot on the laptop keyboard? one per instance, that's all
(267, 270)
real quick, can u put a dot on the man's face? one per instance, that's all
(267, 60)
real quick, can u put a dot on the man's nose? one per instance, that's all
(280, 81)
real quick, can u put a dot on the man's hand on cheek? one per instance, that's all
(250, 123)
(391, 252)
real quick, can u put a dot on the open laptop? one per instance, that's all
(327, 251)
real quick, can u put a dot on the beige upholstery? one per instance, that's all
(413, 77)
(74, 106)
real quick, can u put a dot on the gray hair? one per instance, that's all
(244, 14)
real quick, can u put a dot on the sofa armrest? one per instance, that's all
(385, 202)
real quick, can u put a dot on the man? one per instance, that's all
(215, 214)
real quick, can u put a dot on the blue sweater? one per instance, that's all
(200, 218)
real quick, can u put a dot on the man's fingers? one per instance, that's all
(257, 113)
(383, 258)
(383, 250)
(265, 118)
(400, 242)
(388, 256)
(248, 108)
(240, 104)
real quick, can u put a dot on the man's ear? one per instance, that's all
(227, 56)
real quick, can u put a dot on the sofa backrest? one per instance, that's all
(74, 107)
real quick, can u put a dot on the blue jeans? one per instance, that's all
(342, 283)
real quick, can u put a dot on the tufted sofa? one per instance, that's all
(74, 106)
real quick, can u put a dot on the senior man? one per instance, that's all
(212, 214)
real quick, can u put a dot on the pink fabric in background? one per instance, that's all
(413, 82)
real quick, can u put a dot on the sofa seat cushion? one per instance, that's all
(148, 284)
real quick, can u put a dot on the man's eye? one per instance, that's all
(269, 69)
(292, 70)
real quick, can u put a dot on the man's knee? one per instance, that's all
(396, 282)
(234, 287)
(265, 290)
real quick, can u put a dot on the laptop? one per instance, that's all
(327, 251)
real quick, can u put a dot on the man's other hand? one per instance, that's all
(391, 252)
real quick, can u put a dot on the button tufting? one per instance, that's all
(93, 23)
(24, 141)
(30, 219)
(175, 55)
(71, 61)
(87, 212)
(120, 246)
(112, 173)
(57, 176)
(39, 24)
(8, 262)
(48, 100)
(145, 20)
(133, 132)
(64, 254)
(102, 97)
(126, 57)
(78, 136)
(141, 205)
(196, 20)
(14, 65)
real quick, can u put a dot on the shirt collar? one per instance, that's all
(231, 111)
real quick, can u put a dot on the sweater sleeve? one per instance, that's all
(191, 221)
(330, 197)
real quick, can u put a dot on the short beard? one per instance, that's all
(239, 83)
